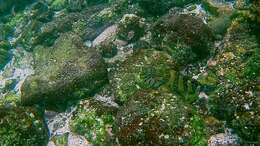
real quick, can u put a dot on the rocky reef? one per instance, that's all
(129, 72)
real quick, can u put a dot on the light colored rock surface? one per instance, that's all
(58, 123)
(76, 140)
(223, 139)
(107, 34)
(51, 143)
(19, 67)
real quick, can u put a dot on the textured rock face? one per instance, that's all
(131, 27)
(158, 118)
(4, 54)
(160, 7)
(16, 5)
(20, 125)
(183, 29)
(168, 80)
(94, 122)
(147, 69)
(62, 70)
(235, 97)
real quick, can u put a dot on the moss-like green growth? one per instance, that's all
(183, 86)
(255, 11)
(4, 52)
(220, 24)
(107, 49)
(199, 131)
(160, 7)
(208, 79)
(181, 53)
(96, 127)
(158, 118)
(183, 34)
(21, 125)
(131, 27)
(75, 5)
(61, 140)
(235, 99)
(66, 71)
(209, 7)
(58, 4)
(50, 31)
(12, 6)
(147, 69)
(7, 28)
(252, 69)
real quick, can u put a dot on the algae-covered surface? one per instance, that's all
(129, 72)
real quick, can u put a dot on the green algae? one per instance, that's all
(148, 69)
(96, 127)
(61, 140)
(26, 126)
(158, 96)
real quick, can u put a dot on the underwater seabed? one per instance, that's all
(120, 72)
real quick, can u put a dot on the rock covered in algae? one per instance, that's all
(158, 118)
(147, 69)
(160, 7)
(192, 35)
(94, 121)
(131, 27)
(4, 52)
(65, 71)
(235, 96)
(21, 125)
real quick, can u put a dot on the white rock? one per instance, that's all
(223, 139)
(106, 35)
(77, 140)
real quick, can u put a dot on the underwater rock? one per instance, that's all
(60, 140)
(160, 7)
(217, 7)
(77, 140)
(57, 5)
(220, 24)
(105, 42)
(146, 69)
(21, 125)
(224, 139)
(75, 5)
(171, 30)
(4, 53)
(12, 6)
(94, 122)
(50, 31)
(40, 11)
(158, 118)
(107, 35)
(235, 98)
(131, 27)
(65, 71)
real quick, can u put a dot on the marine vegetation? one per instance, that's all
(129, 72)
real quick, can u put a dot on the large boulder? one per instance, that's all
(131, 27)
(65, 71)
(183, 34)
(49, 32)
(21, 125)
(147, 69)
(236, 72)
(159, 118)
